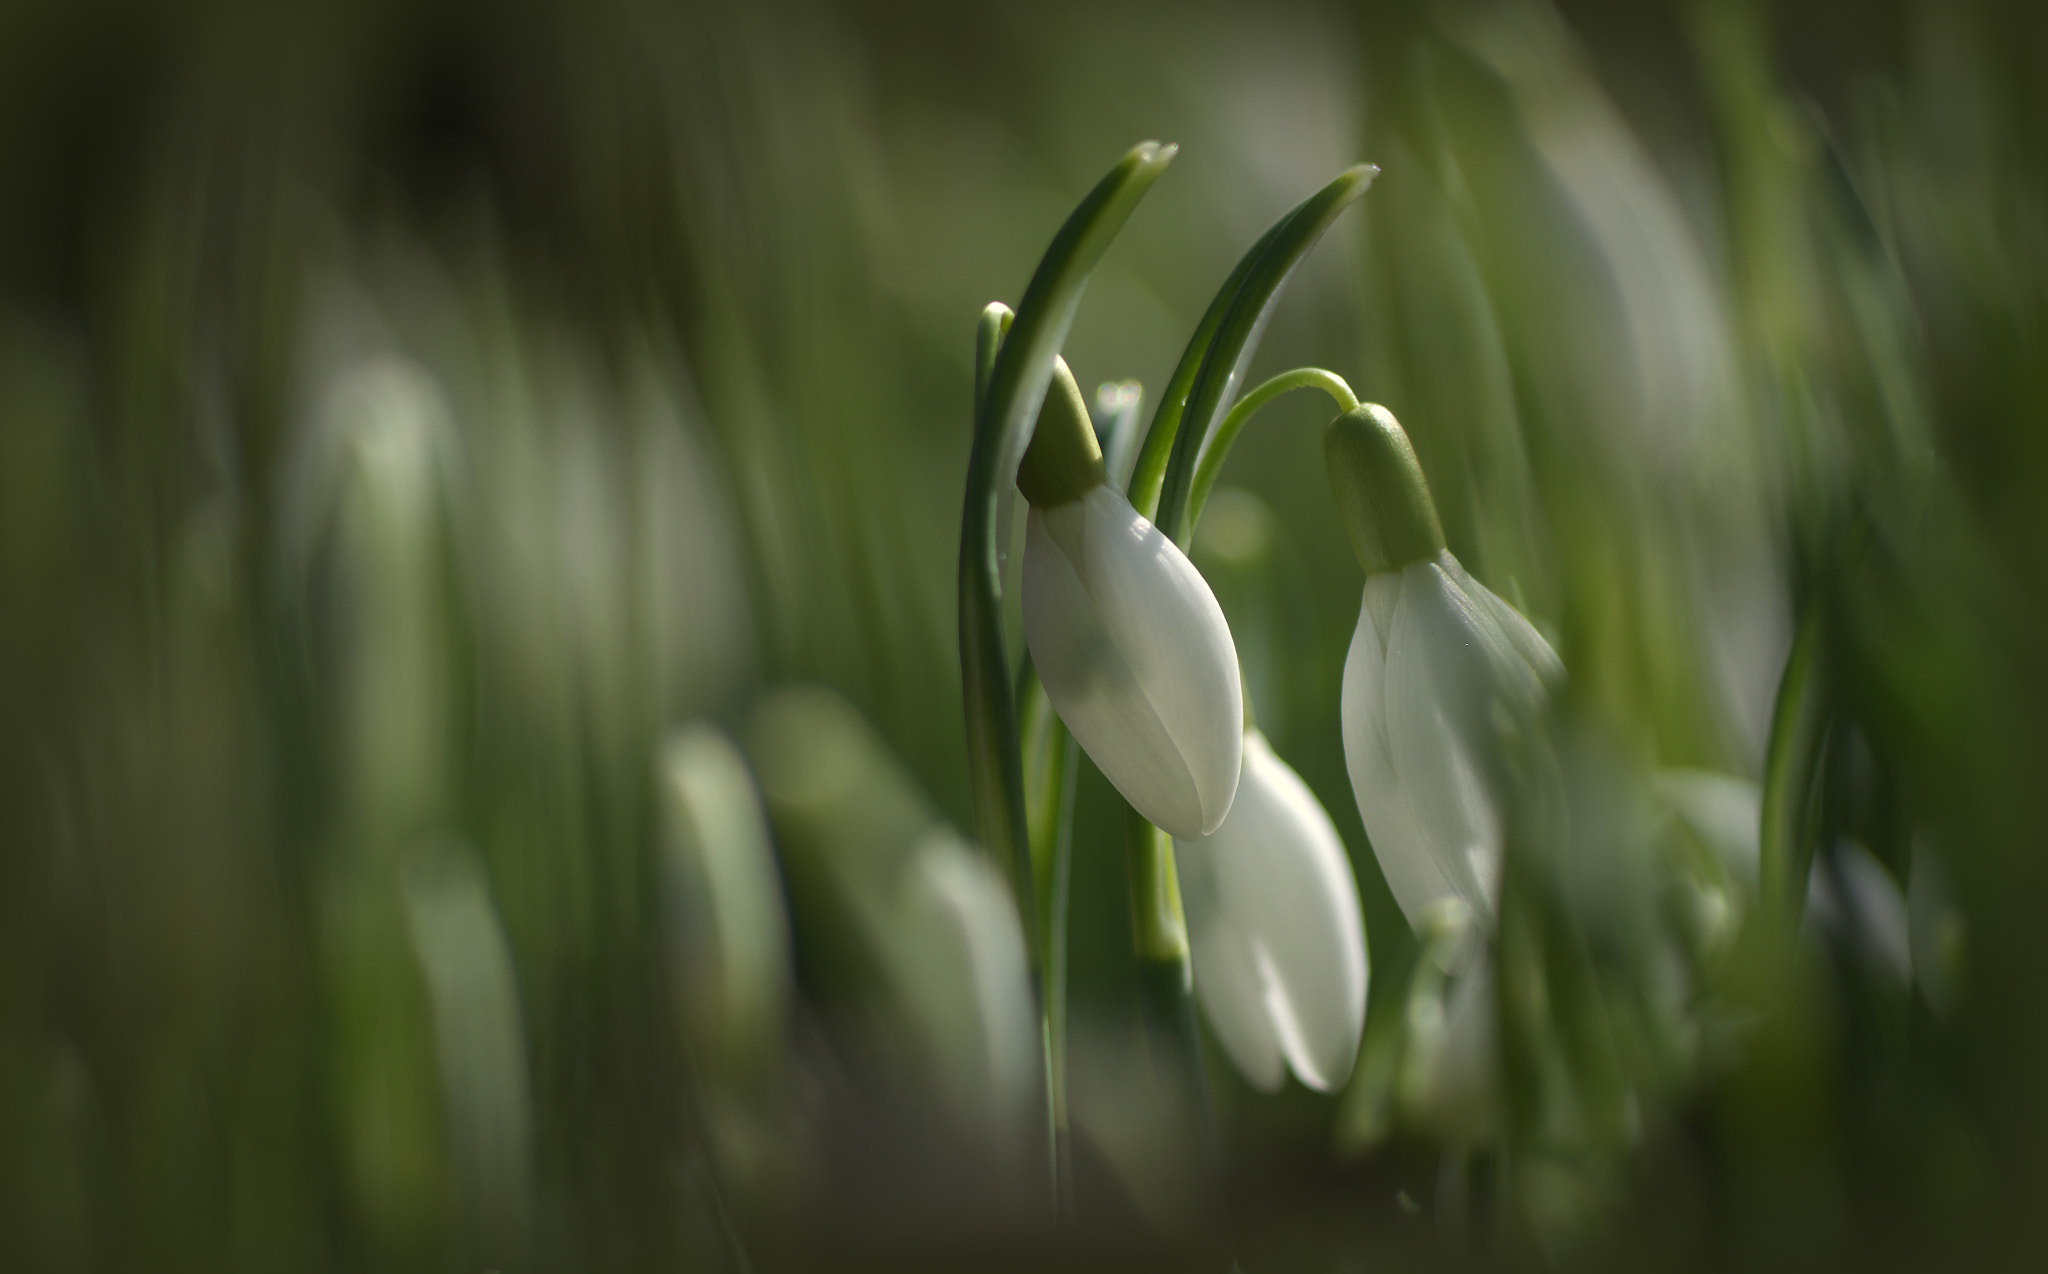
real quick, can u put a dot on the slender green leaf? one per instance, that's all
(1785, 842)
(1051, 766)
(1150, 470)
(1016, 386)
(1237, 336)
(988, 339)
(1019, 364)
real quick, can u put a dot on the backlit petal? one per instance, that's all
(1435, 721)
(1135, 654)
(1227, 975)
(1520, 633)
(1405, 855)
(1281, 875)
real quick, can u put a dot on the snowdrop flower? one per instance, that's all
(728, 933)
(1275, 930)
(973, 1006)
(908, 930)
(1851, 897)
(1128, 640)
(1439, 666)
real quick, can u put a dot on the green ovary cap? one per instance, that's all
(1381, 494)
(1064, 461)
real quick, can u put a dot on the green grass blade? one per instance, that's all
(1150, 470)
(1785, 844)
(1016, 387)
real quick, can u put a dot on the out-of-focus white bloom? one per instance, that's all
(1722, 814)
(907, 928)
(1128, 640)
(1850, 895)
(372, 487)
(1852, 898)
(1439, 666)
(729, 937)
(974, 1004)
(1278, 940)
(467, 962)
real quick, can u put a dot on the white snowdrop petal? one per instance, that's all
(1281, 869)
(1473, 668)
(1136, 656)
(1431, 746)
(1227, 977)
(1441, 672)
(1382, 594)
(1167, 623)
(1093, 685)
(1520, 633)
(1405, 856)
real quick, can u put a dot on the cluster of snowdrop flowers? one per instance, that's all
(1136, 656)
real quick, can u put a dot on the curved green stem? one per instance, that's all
(1158, 930)
(1218, 450)
(1159, 933)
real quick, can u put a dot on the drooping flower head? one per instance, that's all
(1275, 930)
(1438, 667)
(1128, 640)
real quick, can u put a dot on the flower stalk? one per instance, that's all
(1210, 467)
